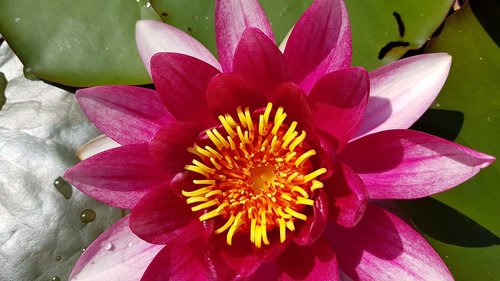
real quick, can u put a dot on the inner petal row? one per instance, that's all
(256, 175)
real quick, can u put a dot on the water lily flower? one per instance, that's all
(264, 165)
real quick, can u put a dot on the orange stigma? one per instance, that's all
(257, 176)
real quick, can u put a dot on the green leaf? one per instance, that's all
(77, 43)
(375, 25)
(469, 103)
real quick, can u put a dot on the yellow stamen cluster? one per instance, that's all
(255, 177)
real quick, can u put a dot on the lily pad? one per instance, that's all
(384, 30)
(472, 88)
(77, 43)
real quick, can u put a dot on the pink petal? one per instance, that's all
(232, 18)
(126, 114)
(403, 90)
(312, 229)
(181, 82)
(405, 164)
(338, 102)
(228, 91)
(161, 217)
(347, 196)
(169, 146)
(319, 43)
(316, 262)
(178, 262)
(258, 59)
(293, 100)
(118, 177)
(155, 36)
(117, 254)
(383, 247)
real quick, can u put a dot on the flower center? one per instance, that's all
(256, 175)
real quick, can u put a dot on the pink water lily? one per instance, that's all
(264, 166)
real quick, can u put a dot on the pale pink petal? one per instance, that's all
(320, 42)
(94, 146)
(126, 114)
(316, 262)
(348, 198)
(155, 36)
(118, 177)
(181, 82)
(383, 247)
(338, 102)
(161, 217)
(178, 262)
(403, 90)
(405, 164)
(258, 59)
(117, 255)
(232, 18)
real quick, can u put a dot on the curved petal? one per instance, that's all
(403, 90)
(126, 114)
(161, 217)
(118, 177)
(348, 198)
(117, 250)
(320, 42)
(312, 229)
(181, 82)
(155, 36)
(315, 263)
(338, 102)
(232, 18)
(405, 164)
(258, 59)
(178, 262)
(228, 91)
(383, 247)
(293, 100)
(95, 146)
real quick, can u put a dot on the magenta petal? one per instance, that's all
(155, 36)
(383, 247)
(312, 229)
(316, 262)
(293, 100)
(403, 90)
(348, 198)
(258, 59)
(338, 102)
(319, 43)
(181, 82)
(118, 177)
(228, 91)
(117, 250)
(161, 217)
(405, 164)
(232, 18)
(178, 262)
(124, 113)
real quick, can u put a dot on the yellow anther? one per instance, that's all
(283, 214)
(290, 225)
(258, 237)
(227, 126)
(267, 112)
(214, 162)
(297, 141)
(230, 120)
(213, 192)
(278, 123)
(231, 142)
(290, 130)
(210, 215)
(209, 182)
(304, 201)
(286, 197)
(304, 157)
(198, 192)
(290, 156)
(248, 118)
(289, 139)
(196, 199)
(220, 138)
(201, 151)
(264, 234)
(300, 190)
(316, 185)
(295, 214)
(193, 150)
(213, 152)
(241, 117)
(203, 167)
(221, 207)
(278, 114)
(232, 230)
(240, 134)
(292, 176)
(205, 205)
(214, 139)
(252, 230)
(273, 141)
(282, 225)
(262, 126)
(196, 169)
(314, 174)
(225, 226)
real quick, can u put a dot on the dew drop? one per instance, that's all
(56, 278)
(63, 187)
(130, 244)
(17, 19)
(83, 250)
(58, 258)
(107, 246)
(87, 215)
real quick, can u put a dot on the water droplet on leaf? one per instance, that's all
(56, 278)
(63, 187)
(58, 258)
(87, 215)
